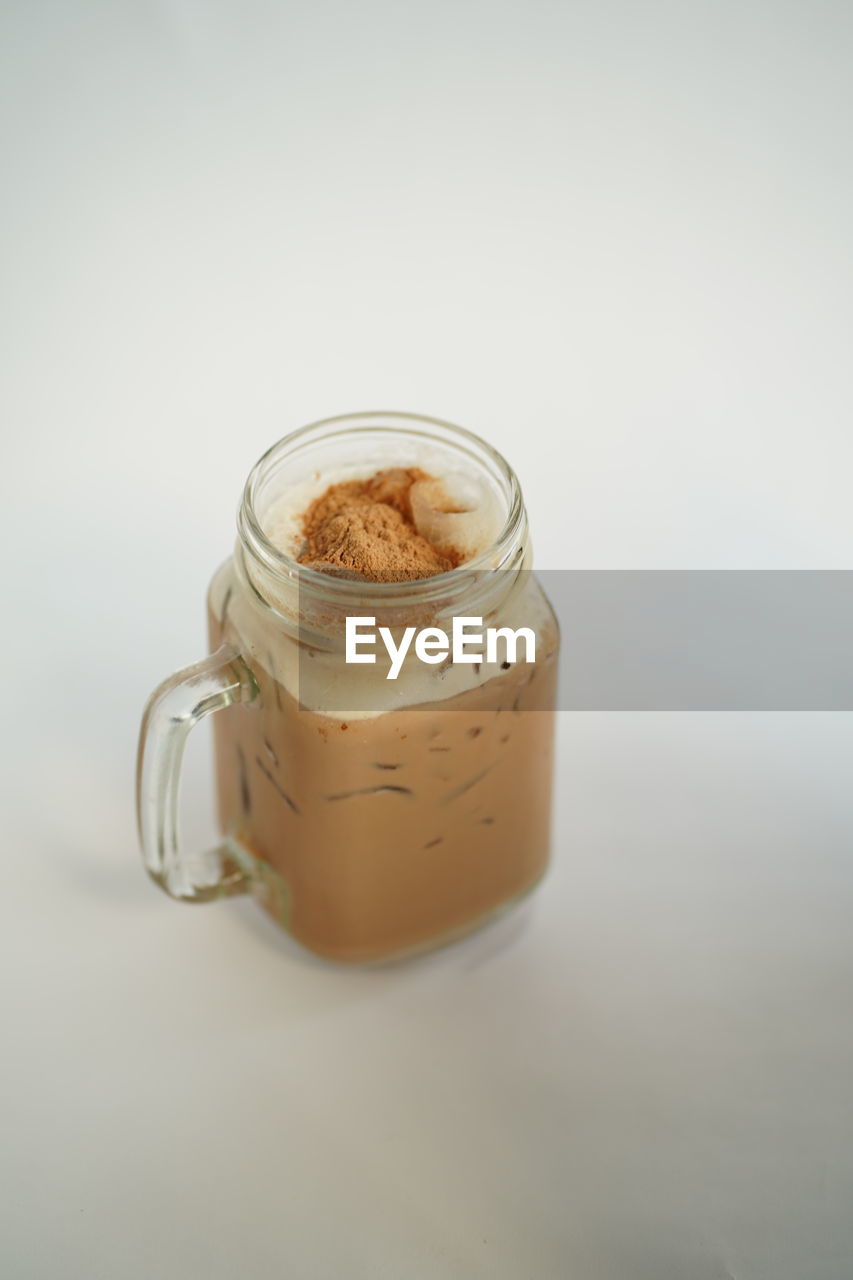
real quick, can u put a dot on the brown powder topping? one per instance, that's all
(364, 528)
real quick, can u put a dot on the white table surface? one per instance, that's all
(614, 239)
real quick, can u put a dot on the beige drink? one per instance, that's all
(393, 831)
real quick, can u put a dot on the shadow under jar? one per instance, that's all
(371, 817)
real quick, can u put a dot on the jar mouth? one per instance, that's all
(505, 552)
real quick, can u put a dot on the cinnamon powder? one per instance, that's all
(364, 529)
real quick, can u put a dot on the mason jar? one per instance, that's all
(371, 817)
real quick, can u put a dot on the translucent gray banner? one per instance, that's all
(632, 640)
(704, 640)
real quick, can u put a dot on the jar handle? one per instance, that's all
(174, 708)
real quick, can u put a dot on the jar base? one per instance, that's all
(413, 951)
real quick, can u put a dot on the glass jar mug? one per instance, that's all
(372, 817)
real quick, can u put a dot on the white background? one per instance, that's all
(613, 238)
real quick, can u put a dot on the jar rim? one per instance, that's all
(500, 554)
